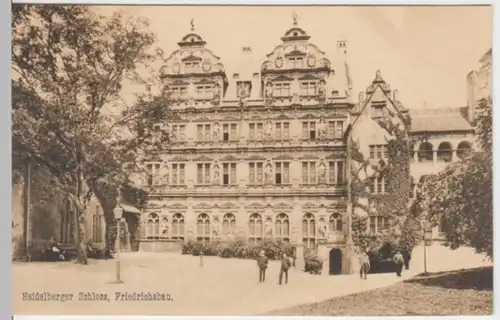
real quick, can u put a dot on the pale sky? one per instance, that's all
(425, 52)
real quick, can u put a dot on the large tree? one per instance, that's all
(461, 196)
(69, 65)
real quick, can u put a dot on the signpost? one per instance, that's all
(118, 217)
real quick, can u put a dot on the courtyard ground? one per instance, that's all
(220, 287)
(464, 292)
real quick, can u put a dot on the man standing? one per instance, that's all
(262, 264)
(399, 262)
(285, 265)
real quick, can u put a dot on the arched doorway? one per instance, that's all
(335, 259)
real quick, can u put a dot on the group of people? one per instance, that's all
(262, 263)
(397, 258)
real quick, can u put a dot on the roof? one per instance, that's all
(129, 208)
(439, 120)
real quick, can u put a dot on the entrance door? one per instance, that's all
(335, 261)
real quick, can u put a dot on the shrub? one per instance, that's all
(312, 263)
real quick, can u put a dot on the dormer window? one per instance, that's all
(295, 63)
(204, 92)
(281, 90)
(191, 66)
(308, 88)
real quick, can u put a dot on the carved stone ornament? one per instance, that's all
(268, 229)
(176, 67)
(322, 89)
(269, 129)
(164, 174)
(279, 62)
(311, 61)
(216, 94)
(322, 171)
(207, 66)
(322, 128)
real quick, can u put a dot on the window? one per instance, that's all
(379, 151)
(153, 226)
(295, 63)
(203, 228)
(178, 227)
(256, 228)
(282, 173)
(281, 90)
(309, 172)
(309, 130)
(282, 131)
(336, 172)
(282, 225)
(378, 111)
(378, 224)
(178, 133)
(179, 92)
(153, 172)
(191, 66)
(444, 152)
(256, 171)
(203, 173)
(204, 92)
(335, 223)
(379, 185)
(229, 174)
(229, 224)
(178, 173)
(98, 222)
(229, 132)
(256, 131)
(203, 132)
(309, 231)
(463, 149)
(335, 129)
(308, 89)
(426, 152)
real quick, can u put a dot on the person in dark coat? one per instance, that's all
(262, 264)
(365, 266)
(399, 262)
(285, 266)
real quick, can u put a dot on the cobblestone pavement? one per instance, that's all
(220, 287)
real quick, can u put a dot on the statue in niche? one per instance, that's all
(216, 174)
(164, 227)
(322, 89)
(216, 228)
(269, 90)
(322, 128)
(322, 229)
(269, 129)
(322, 171)
(268, 171)
(216, 132)
(216, 94)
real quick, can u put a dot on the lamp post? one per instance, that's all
(425, 228)
(118, 211)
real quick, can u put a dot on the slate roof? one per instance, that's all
(439, 120)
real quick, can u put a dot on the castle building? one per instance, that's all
(261, 152)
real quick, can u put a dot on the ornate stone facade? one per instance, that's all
(262, 153)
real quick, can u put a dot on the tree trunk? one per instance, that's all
(81, 232)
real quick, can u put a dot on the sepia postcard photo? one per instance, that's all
(252, 160)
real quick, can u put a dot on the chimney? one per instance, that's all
(361, 98)
(395, 95)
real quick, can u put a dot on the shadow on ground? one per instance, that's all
(476, 279)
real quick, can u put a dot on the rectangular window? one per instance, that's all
(282, 130)
(251, 131)
(256, 173)
(378, 224)
(377, 111)
(379, 185)
(309, 172)
(203, 132)
(336, 172)
(153, 173)
(281, 90)
(203, 173)
(282, 173)
(309, 130)
(225, 132)
(178, 133)
(260, 131)
(179, 92)
(256, 131)
(233, 134)
(335, 129)
(308, 88)
(229, 174)
(295, 63)
(178, 173)
(379, 151)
